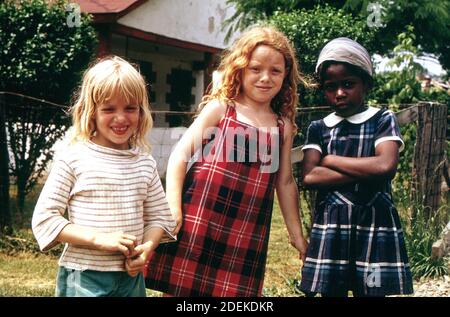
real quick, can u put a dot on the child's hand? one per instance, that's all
(301, 245)
(116, 241)
(179, 221)
(136, 262)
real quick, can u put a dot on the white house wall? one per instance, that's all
(196, 21)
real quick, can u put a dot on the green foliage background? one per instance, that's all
(41, 55)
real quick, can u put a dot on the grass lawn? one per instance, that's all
(27, 274)
(30, 274)
(283, 264)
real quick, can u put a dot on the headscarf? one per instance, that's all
(343, 49)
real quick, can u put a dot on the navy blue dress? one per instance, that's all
(356, 241)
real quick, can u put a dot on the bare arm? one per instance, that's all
(383, 164)
(210, 116)
(288, 195)
(315, 176)
(82, 236)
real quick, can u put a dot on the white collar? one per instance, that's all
(333, 119)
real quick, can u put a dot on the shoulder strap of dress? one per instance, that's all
(280, 121)
(280, 124)
(231, 110)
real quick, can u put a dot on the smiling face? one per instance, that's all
(263, 77)
(115, 123)
(344, 90)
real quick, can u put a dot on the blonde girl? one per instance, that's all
(108, 183)
(243, 135)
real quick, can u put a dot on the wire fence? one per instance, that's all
(23, 111)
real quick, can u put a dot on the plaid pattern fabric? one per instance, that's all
(356, 240)
(227, 209)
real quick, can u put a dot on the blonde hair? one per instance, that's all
(107, 78)
(237, 58)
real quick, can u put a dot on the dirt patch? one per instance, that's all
(437, 287)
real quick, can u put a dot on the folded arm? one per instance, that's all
(382, 165)
(315, 176)
(333, 170)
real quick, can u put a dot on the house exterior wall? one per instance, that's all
(196, 21)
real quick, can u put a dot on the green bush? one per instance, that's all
(41, 54)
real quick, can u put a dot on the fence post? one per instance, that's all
(429, 155)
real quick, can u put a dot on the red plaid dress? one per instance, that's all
(227, 210)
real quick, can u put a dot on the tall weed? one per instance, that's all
(419, 239)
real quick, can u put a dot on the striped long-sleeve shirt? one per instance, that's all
(104, 189)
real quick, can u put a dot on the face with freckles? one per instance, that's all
(263, 77)
(116, 121)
